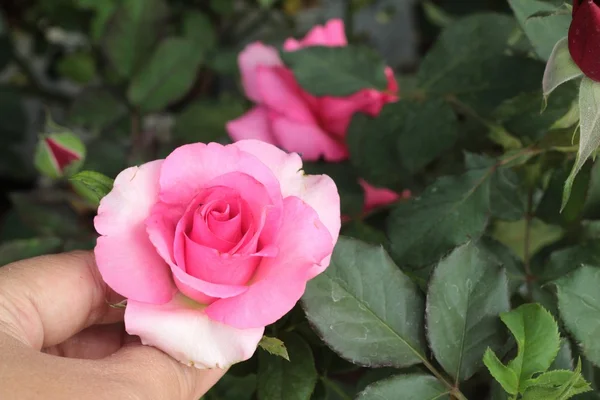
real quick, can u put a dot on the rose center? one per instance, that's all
(218, 223)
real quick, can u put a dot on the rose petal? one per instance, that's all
(331, 35)
(318, 191)
(377, 197)
(128, 262)
(190, 168)
(279, 281)
(252, 125)
(309, 140)
(183, 331)
(280, 92)
(254, 55)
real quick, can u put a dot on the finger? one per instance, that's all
(158, 376)
(45, 300)
(95, 342)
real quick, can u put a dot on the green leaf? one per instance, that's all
(589, 130)
(450, 212)
(79, 67)
(560, 68)
(467, 292)
(351, 193)
(564, 358)
(233, 388)
(279, 379)
(512, 234)
(204, 120)
(274, 346)
(468, 64)
(365, 308)
(95, 109)
(336, 71)
(556, 385)
(91, 185)
(168, 75)
(549, 208)
(46, 217)
(131, 33)
(21, 249)
(501, 373)
(410, 387)
(198, 28)
(579, 306)
(542, 32)
(515, 271)
(406, 136)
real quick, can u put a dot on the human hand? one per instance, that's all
(60, 339)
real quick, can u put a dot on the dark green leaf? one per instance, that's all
(233, 388)
(467, 292)
(79, 67)
(411, 387)
(45, 217)
(449, 213)
(91, 185)
(95, 109)
(351, 193)
(512, 234)
(131, 33)
(365, 308)
(336, 71)
(468, 63)
(406, 136)
(515, 271)
(564, 261)
(279, 379)
(564, 358)
(542, 32)
(26, 248)
(579, 305)
(198, 28)
(168, 75)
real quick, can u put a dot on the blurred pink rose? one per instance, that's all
(288, 117)
(214, 243)
(377, 197)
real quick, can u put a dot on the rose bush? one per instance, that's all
(287, 116)
(212, 244)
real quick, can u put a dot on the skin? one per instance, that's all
(60, 339)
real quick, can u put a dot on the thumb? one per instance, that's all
(156, 376)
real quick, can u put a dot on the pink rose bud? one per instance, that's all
(287, 116)
(584, 37)
(378, 197)
(59, 154)
(212, 244)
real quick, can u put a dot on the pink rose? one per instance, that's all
(214, 243)
(287, 116)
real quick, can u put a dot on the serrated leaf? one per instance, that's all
(556, 385)
(274, 346)
(542, 32)
(560, 68)
(91, 185)
(168, 75)
(538, 340)
(411, 387)
(467, 292)
(505, 376)
(512, 234)
(450, 212)
(589, 130)
(579, 307)
(336, 71)
(279, 379)
(363, 298)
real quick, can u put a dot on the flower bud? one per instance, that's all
(59, 154)
(584, 37)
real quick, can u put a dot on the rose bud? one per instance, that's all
(584, 37)
(214, 243)
(59, 154)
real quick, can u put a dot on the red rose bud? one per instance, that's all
(59, 154)
(584, 37)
